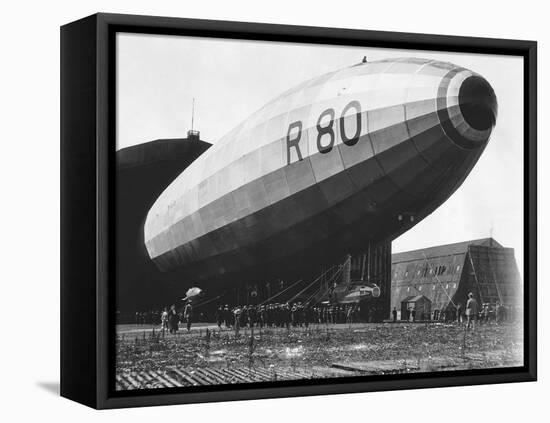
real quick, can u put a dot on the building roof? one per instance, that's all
(155, 153)
(443, 250)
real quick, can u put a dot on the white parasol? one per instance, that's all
(192, 292)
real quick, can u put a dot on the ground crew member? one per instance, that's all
(219, 316)
(459, 313)
(498, 313)
(394, 314)
(471, 311)
(188, 315)
(486, 312)
(294, 315)
(164, 319)
(286, 315)
(237, 319)
(173, 319)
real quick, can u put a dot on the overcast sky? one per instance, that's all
(158, 76)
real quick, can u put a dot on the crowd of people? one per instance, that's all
(264, 315)
(169, 318)
(284, 315)
(297, 314)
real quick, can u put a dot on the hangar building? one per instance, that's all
(445, 275)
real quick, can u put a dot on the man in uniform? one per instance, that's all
(498, 313)
(173, 319)
(286, 316)
(294, 315)
(188, 315)
(394, 314)
(459, 313)
(237, 319)
(252, 316)
(245, 316)
(219, 316)
(471, 311)
(226, 313)
(486, 313)
(308, 315)
(164, 320)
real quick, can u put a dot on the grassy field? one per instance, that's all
(320, 351)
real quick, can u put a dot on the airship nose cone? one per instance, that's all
(467, 109)
(478, 103)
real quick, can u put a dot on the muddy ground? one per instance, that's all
(319, 351)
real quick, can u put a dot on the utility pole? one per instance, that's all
(193, 115)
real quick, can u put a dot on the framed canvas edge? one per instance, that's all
(78, 204)
(109, 24)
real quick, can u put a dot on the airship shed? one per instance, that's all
(445, 274)
(143, 172)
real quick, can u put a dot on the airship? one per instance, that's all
(350, 158)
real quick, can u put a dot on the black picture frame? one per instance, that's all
(87, 207)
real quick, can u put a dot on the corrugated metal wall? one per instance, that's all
(494, 276)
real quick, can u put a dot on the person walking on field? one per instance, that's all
(188, 315)
(472, 310)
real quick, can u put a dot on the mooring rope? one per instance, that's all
(280, 292)
(437, 279)
(207, 301)
(314, 281)
(329, 285)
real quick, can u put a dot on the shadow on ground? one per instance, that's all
(51, 387)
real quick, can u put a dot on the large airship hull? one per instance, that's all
(358, 155)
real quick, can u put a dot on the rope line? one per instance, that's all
(280, 292)
(314, 281)
(437, 279)
(329, 285)
(475, 275)
(207, 301)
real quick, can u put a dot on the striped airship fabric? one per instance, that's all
(335, 156)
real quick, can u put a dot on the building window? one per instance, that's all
(420, 288)
(457, 268)
(440, 270)
(408, 288)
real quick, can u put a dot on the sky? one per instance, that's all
(158, 76)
